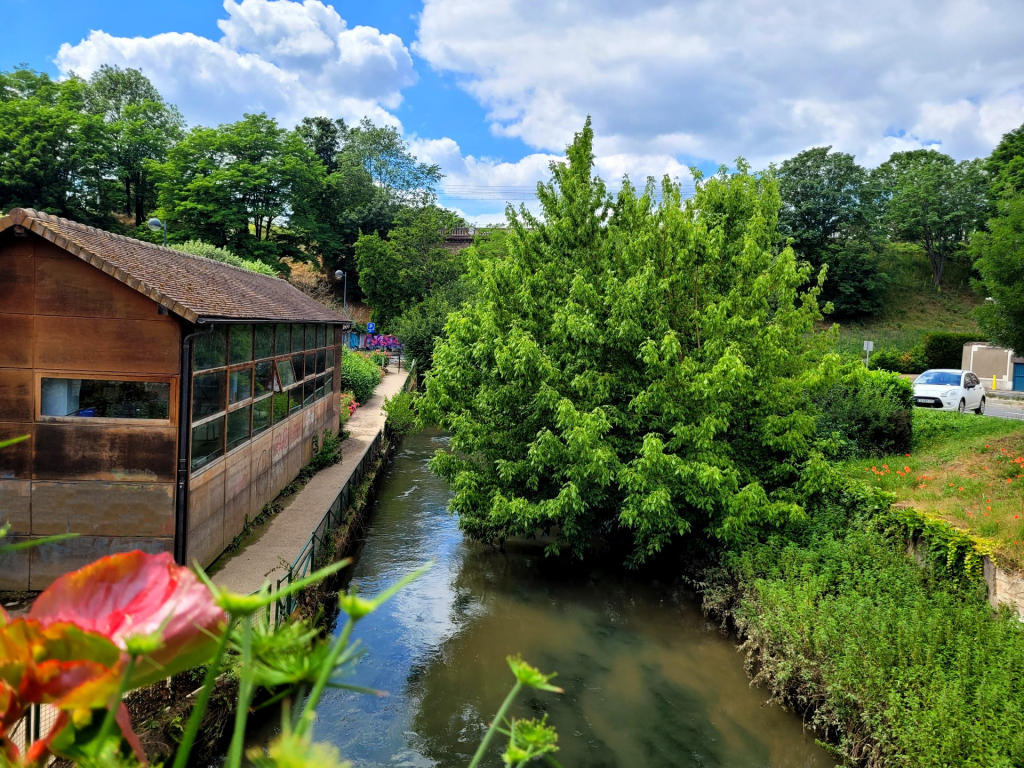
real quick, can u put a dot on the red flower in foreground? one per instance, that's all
(135, 594)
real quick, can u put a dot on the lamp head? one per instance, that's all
(339, 274)
(155, 224)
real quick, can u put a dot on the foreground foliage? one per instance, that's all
(360, 375)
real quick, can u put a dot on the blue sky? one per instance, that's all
(493, 91)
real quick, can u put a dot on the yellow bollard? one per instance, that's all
(993, 382)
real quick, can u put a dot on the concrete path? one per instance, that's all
(281, 540)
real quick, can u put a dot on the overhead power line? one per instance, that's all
(522, 193)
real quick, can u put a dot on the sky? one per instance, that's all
(493, 90)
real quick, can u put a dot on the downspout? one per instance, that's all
(184, 444)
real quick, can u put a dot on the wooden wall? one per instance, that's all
(111, 483)
(235, 487)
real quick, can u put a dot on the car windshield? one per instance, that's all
(939, 378)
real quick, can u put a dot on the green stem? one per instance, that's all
(494, 724)
(309, 711)
(192, 728)
(111, 716)
(245, 691)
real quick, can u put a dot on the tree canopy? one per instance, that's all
(630, 369)
(999, 258)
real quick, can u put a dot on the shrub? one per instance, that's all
(946, 350)
(913, 361)
(223, 255)
(865, 413)
(359, 375)
(401, 412)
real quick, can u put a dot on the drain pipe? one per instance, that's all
(184, 445)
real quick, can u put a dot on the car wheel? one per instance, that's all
(963, 406)
(980, 410)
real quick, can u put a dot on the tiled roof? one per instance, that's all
(187, 285)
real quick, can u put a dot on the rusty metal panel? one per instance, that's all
(95, 452)
(205, 495)
(235, 512)
(16, 505)
(73, 288)
(16, 279)
(16, 340)
(206, 542)
(149, 347)
(14, 567)
(53, 560)
(238, 471)
(16, 394)
(16, 460)
(103, 509)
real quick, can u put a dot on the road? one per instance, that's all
(1001, 409)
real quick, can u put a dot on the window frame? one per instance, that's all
(172, 409)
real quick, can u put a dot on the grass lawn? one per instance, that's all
(966, 470)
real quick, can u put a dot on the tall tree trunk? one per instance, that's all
(127, 195)
(140, 199)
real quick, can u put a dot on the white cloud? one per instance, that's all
(287, 58)
(759, 78)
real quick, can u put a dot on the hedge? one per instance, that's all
(945, 350)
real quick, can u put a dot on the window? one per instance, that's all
(298, 340)
(207, 442)
(285, 372)
(211, 349)
(239, 385)
(264, 341)
(208, 390)
(282, 343)
(308, 390)
(238, 426)
(280, 406)
(261, 415)
(310, 364)
(105, 399)
(297, 366)
(319, 387)
(321, 360)
(240, 344)
(939, 378)
(321, 335)
(330, 359)
(265, 379)
(329, 383)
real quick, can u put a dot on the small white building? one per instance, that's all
(997, 368)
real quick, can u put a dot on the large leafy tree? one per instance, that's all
(142, 128)
(54, 155)
(929, 198)
(394, 169)
(1005, 166)
(232, 186)
(826, 211)
(999, 259)
(630, 370)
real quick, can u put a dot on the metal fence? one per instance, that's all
(36, 723)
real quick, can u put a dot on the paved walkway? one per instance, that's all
(281, 540)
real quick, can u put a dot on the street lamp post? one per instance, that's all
(339, 275)
(156, 225)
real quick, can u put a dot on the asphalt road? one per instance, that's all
(1000, 409)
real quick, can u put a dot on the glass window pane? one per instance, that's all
(104, 399)
(297, 366)
(298, 341)
(285, 372)
(264, 341)
(321, 335)
(309, 389)
(321, 360)
(310, 336)
(319, 387)
(261, 410)
(263, 381)
(239, 385)
(238, 426)
(295, 399)
(283, 340)
(329, 383)
(211, 349)
(330, 359)
(280, 406)
(208, 394)
(310, 363)
(240, 344)
(207, 442)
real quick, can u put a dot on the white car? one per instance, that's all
(950, 390)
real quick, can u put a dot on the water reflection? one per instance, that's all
(647, 682)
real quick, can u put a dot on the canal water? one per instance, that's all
(648, 682)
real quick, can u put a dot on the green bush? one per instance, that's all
(359, 375)
(946, 350)
(865, 413)
(913, 361)
(401, 412)
(223, 255)
(901, 665)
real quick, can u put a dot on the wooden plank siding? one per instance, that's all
(109, 480)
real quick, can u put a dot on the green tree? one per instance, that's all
(142, 129)
(1005, 166)
(630, 370)
(398, 271)
(826, 211)
(999, 258)
(394, 169)
(931, 199)
(54, 156)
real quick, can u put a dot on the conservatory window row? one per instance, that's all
(236, 402)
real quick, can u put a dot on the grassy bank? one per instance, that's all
(965, 471)
(892, 662)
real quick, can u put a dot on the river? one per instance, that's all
(648, 682)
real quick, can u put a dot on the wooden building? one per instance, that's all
(165, 397)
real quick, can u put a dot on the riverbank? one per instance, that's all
(269, 555)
